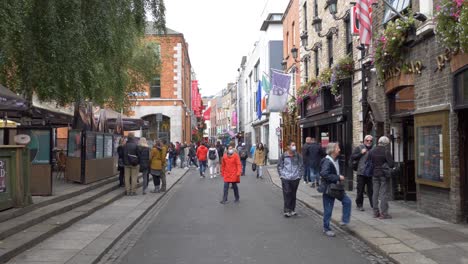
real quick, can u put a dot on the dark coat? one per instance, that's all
(313, 154)
(328, 174)
(130, 148)
(357, 155)
(380, 156)
(120, 152)
(144, 154)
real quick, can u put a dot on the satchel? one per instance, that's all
(336, 190)
(254, 166)
(156, 173)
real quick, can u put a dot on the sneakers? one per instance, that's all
(201, 176)
(223, 202)
(287, 214)
(343, 224)
(329, 233)
(376, 214)
(360, 208)
(293, 213)
(385, 216)
(236, 201)
(211, 177)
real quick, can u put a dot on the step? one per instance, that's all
(17, 224)
(16, 212)
(29, 237)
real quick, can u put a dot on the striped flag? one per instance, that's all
(365, 24)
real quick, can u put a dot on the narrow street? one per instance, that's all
(193, 227)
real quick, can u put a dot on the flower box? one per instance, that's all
(458, 61)
(403, 79)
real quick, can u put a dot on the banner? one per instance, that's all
(278, 98)
(259, 100)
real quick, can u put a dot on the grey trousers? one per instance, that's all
(380, 188)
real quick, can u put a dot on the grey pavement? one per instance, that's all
(409, 237)
(193, 227)
(88, 239)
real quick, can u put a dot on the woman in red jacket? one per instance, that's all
(231, 170)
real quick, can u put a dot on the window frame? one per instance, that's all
(316, 63)
(459, 101)
(330, 50)
(151, 87)
(304, 13)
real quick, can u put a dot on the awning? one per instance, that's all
(9, 101)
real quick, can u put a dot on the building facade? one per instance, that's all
(166, 101)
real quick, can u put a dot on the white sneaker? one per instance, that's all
(329, 233)
(211, 177)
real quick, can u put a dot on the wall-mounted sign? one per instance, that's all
(412, 67)
(314, 104)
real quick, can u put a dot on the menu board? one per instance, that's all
(90, 145)
(430, 151)
(108, 146)
(3, 176)
(99, 146)
(74, 143)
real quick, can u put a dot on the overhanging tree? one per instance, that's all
(74, 50)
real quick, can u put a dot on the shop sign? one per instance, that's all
(314, 105)
(412, 67)
(3, 175)
(324, 139)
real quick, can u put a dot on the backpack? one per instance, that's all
(212, 155)
(133, 159)
(243, 154)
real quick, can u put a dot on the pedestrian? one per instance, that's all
(187, 156)
(252, 151)
(132, 164)
(182, 155)
(267, 151)
(259, 159)
(243, 157)
(330, 173)
(313, 154)
(213, 160)
(358, 161)
(231, 169)
(202, 155)
(120, 162)
(193, 155)
(171, 152)
(177, 153)
(290, 169)
(144, 153)
(381, 161)
(158, 162)
(220, 149)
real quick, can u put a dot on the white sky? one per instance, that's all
(219, 33)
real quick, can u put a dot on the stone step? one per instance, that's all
(58, 218)
(16, 212)
(18, 224)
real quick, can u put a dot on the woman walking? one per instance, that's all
(231, 170)
(382, 162)
(259, 159)
(330, 173)
(144, 154)
(158, 161)
(213, 160)
(290, 169)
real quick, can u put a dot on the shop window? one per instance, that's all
(432, 147)
(461, 89)
(155, 88)
(402, 101)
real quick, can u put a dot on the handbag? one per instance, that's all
(254, 166)
(336, 190)
(156, 173)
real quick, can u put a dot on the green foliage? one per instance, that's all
(325, 76)
(74, 50)
(452, 24)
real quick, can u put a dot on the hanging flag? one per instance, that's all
(264, 104)
(278, 98)
(365, 24)
(266, 84)
(259, 100)
(207, 114)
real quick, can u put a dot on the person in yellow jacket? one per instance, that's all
(260, 159)
(158, 163)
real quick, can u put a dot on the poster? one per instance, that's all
(39, 146)
(325, 139)
(3, 175)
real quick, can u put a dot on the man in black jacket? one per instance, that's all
(131, 162)
(359, 156)
(313, 154)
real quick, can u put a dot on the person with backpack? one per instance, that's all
(144, 153)
(158, 162)
(213, 160)
(231, 171)
(243, 154)
(259, 159)
(132, 164)
(364, 179)
(381, 162)
(202, 155)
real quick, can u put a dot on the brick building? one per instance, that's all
(420, 103)
(170, 93)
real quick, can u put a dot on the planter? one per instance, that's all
(458, 61)
(398, 81)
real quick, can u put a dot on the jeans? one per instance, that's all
(169, 164)
(328, 203)
(289, 194)
(145, 175)
(202, 167)
(244, 163)
(381, 185)
(121, 176)
(314, 175)
(226, 190)
(131, 175)
(362, 182)
(182, 159)
(307, 173)
(158, 179)
(194, 161)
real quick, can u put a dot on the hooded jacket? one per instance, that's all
(202, 153)
(290, 167)
(231, 168)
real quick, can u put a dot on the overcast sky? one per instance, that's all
(219, 33)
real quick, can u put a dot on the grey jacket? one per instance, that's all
(290, 167)
(357, 155)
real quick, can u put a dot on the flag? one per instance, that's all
(264, 103)
(278, 98)
(266, 84)
(207, 114)
(259, 100)
(365, 24)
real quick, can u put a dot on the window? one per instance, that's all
(330, 50)
(315, 8)
(256, 71)
(402, 101)
(316, 62)
(461, 89)
(349, 37)
(304, 10)
(426, 7)
(293, 80)
(293, 30)
(287, 44)
(306, 70)
(433, 148)
(399, 5)
(155, 88)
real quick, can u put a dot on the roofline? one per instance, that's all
(287, 10)
(266, 23)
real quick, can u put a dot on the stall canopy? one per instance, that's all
(9, 101)
(114, 119)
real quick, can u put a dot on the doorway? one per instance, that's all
(463, 157)
(408, 169)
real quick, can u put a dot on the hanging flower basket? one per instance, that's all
(452, 24)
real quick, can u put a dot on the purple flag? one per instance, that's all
(280, 84)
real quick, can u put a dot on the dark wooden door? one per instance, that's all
(409, 183)
(463, 156)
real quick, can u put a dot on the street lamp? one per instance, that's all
(332, 8)
(317, 23)
(294, 52)
(284, 64)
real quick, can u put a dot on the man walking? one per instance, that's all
(313, 154)
(243, 154)
(358, 160)
(202, 155)
(131, 163)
